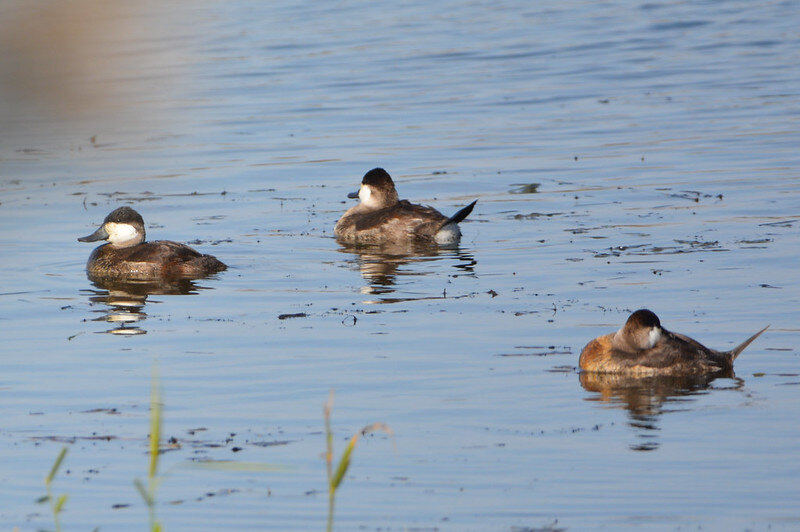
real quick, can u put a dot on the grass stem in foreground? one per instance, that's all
(148, 492)
(56, 505)
(335, 478)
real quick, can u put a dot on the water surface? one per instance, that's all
(623, 155)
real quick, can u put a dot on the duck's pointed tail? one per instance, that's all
(460, 215)
(741, 347)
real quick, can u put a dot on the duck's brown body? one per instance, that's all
(402, 221)
(674, 354)
(151, 260)
(643, 348)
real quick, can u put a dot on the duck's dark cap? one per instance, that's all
(124, 215)
(379, 178)
(643, 318)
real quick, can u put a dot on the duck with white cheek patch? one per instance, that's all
(127, 256)
(382, 218)
(643, 348)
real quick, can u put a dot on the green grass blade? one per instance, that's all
(56, 465)
(155, 423)
(344, 463)
(327, 408)
(143, 492)
(60, 503)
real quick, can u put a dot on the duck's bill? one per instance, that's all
(353, 195)
(100, 234)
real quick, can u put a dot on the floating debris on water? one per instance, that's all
(523, 188)
(293, 315)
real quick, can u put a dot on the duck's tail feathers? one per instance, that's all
(741, 347)
(460, 215)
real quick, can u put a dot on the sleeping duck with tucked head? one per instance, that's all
(382, 218)
(128, 256)
(643, 348)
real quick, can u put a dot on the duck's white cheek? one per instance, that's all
(367, 197)
(120, 232)
(653, 337)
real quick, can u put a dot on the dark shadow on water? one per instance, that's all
(647, 398)
(121, 303)
(381, 266)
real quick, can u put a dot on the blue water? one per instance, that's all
(662, 138)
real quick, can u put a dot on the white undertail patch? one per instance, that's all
(449, 234)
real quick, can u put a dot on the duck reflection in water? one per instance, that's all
(123, 302)
(647, 398)
(382, 265)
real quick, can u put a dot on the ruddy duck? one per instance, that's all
(128, 256)
(643, 348)
(380, 217)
